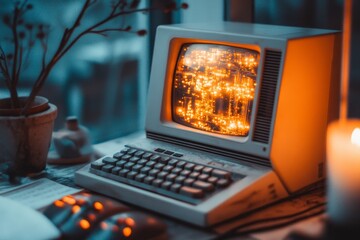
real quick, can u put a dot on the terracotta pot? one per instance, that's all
(25, 140)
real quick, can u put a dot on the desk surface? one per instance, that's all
(302, 213)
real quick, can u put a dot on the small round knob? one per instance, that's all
(72, 123)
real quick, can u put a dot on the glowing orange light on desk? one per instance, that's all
(75, 209)
(59, 203)
(98, 206)
(127, 231)
(214, 88)
(84, 224)
(69, 200)
(104, 225)
(130, 221)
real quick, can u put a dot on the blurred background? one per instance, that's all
(103, 80)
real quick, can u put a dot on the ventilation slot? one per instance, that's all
(210, 149)
(267, 96)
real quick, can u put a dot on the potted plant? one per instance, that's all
(26, 122)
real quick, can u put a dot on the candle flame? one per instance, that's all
(355, 137)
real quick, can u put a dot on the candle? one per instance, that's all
(343, 171)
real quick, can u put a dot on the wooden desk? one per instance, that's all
(302, 213)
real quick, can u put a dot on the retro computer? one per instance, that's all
(236, 119)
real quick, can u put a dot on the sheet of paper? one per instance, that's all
(39, 193)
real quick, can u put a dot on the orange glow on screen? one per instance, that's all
(214, 88)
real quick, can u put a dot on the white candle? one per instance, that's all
(343, 170)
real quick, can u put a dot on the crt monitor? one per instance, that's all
(257, 93)
(250, 99)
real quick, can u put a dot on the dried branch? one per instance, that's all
(119, 8)
(44, 46)
(19, 65)
(7, 77)
(16, 45)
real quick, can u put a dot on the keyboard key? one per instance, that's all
(208, 187)
(157, 182)
(198, 168)
(162, 175)
(115, 170)
(223, 183)
(169, 152)
(155, 158)
(121, 163)
(131, 175)
(171, 177)
(168, 168)
(126, 157)
(221, 173)
(176, 170)
(132, 151)
(180, 179)
(194, 175)
(137, 167)
(207, 170)
(212, 180)
(139, 154)
(150, 164)
(107, 168)
(166, 185)
(134, 159)
(175, 187)
(189, 182)
(148, 179)
(178, 155)
(173, 162)
(160, 150)
(189, 166)
(147, 156)
(185, 173)
(118, 155)
(123, 172)
(181, 164)
(145, 170)
(125, 150)
(153, 172)
(110, 160)
(164, 160)
(142, 162)
(159, 166)
(129, 165)
(191, 192)
(97, 164)
(140, 177)
(203, 177)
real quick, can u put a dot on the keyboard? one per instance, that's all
(164, 172)
(191, 185)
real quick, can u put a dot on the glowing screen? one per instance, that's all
(214, 87)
